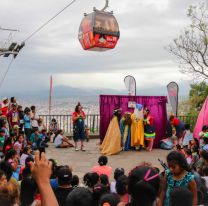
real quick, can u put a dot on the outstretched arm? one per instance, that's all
(41, 172)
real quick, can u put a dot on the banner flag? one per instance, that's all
(173, 91)
(130, 83)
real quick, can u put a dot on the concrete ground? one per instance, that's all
(82, 162)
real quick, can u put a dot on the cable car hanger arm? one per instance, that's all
(106, 5)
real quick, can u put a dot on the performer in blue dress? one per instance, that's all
(125, 127)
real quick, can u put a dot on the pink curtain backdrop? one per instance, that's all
(156, 105)
(202, 119)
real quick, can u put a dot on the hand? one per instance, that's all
(41, 169)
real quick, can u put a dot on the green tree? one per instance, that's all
(191, 46)
(197, 96)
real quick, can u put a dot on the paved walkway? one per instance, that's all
(82, 162)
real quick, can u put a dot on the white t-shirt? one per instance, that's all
(58, 140)
(187, 137)
(22, 159)
(34, 121)
(113, 187)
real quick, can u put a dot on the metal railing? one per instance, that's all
(65, 123)
(92, 121)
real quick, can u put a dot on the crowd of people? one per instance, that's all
(28, 178)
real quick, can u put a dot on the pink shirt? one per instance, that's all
(103, 170)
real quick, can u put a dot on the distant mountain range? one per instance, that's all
(67, 91)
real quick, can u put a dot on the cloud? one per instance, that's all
(146, 28)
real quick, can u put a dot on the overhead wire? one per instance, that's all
(47, 22)
(5, 74)
(32, 34)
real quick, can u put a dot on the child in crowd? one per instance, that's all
(25, 153)
(121, 188)
(143, 185)
(195, 156)
(187, 136)
(205, 175)
(75, 181)
(18, 145)
(188, 156)
(202, 134)
(181, 196)
(35, 140)
(60, 141)
(90, 180)
(117, 173)
(102, 168)
(205, 147)
(178, 175)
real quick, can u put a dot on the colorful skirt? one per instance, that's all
(149, 132)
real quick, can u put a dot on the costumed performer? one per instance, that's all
(137, 127)
(149, 130)
(112, 141)
(125, 126)
(178, 125)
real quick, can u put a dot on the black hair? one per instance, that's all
(26, 173)
(118, 172)
(205, 171)
(27, 109)
(77, 107)
(112, 199)
(121, 185)
(53, 168)
(28, 190)
(204, 155)
(188, 151)
(204, 128)
(98, 191)
(178, 158)
(7, 169)
(75, 181)
(143, 193)
(195, 149)
(57, 133)
(2, 173)
(61, 173)
(28, 160)
(25, 150)
(187, 126)
(12, 99)
(10, 154)
(79, 196)
(178, 147)
(205, 140)
(103, 160)
(181, 196)
(104, 179)
(197, 142)
(91, 179)
(32, 107)
(53, 120)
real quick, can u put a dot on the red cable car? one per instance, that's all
(99, 30)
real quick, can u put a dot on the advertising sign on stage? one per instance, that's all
(131, 104)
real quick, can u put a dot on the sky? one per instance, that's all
(146, 28)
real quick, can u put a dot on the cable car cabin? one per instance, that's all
(99, 31)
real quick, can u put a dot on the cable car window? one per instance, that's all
(86, 24)
(106, 23)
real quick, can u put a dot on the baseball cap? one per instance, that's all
(64, 175)
(4, 99)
